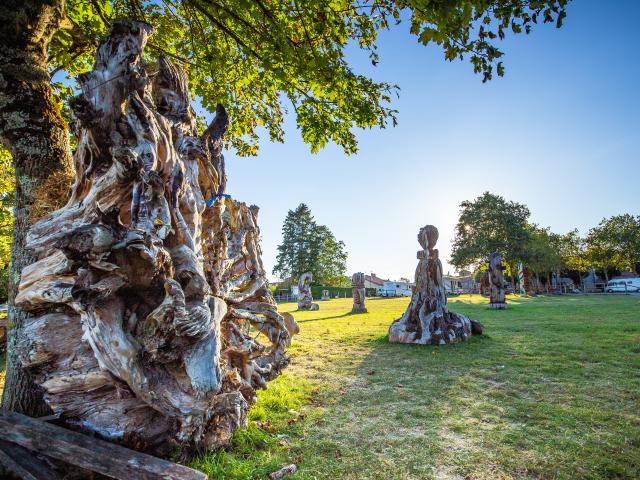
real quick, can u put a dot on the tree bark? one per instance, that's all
(33, 130)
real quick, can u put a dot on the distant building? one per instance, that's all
(395, 289)
(372, 281)
(463, 283)
(624, 275)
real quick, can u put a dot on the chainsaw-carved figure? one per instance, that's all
(427, 319)
(496, 282)
(358, 292)
(305, 299)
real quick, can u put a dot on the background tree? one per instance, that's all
(332, 259)
(256, 58)
(615, 243)
(541, 253)
(571, 248)
(490, 224)
(309, 247)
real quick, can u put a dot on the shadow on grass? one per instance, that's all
(348, 314)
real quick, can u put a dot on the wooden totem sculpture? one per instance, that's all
(358, 291)
(496, 283)
(305, 298)
(427, 320)
(148, 294)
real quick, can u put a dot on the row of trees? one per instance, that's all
(492, 224)
(309, 247)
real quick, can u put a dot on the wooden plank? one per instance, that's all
(24, 464)
(89, 453)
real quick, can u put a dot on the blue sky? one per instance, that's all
(559, 132)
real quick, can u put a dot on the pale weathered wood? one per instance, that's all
(305, 298)
(152, 321)
(89, 453)
(427, 319)
(283, 472)
(497, 298)
(358, 291)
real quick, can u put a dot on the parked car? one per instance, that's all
(630, 285)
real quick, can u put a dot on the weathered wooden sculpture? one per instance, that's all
(496, 283)
(521, 279)
(291, 325)
(148, 294)
(427, 320)
(358, 291)
(305, 299)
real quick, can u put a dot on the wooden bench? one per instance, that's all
(23, 436)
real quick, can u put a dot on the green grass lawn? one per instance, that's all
(551, 391)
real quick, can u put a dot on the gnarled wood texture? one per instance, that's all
(305, 298)
(427, 319)
(148, 282)
(358, 291)
(496, 283)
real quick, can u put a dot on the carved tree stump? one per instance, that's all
(146, 289)
(305, 299)
(358, 291)
(496, 283)
(427, 320)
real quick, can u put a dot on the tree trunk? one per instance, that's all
(149, 294)
(34, 132)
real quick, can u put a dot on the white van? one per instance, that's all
(395, 289)
(628, 285)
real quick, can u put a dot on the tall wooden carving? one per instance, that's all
(305, 298)
(427, 319)
(358, 291)
(496, 283)
(148, 294)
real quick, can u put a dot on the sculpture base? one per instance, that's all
(498, 306)
(359, 310)
(312, 307)
(451, 328)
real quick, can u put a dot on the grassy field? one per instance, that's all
(552, 391)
